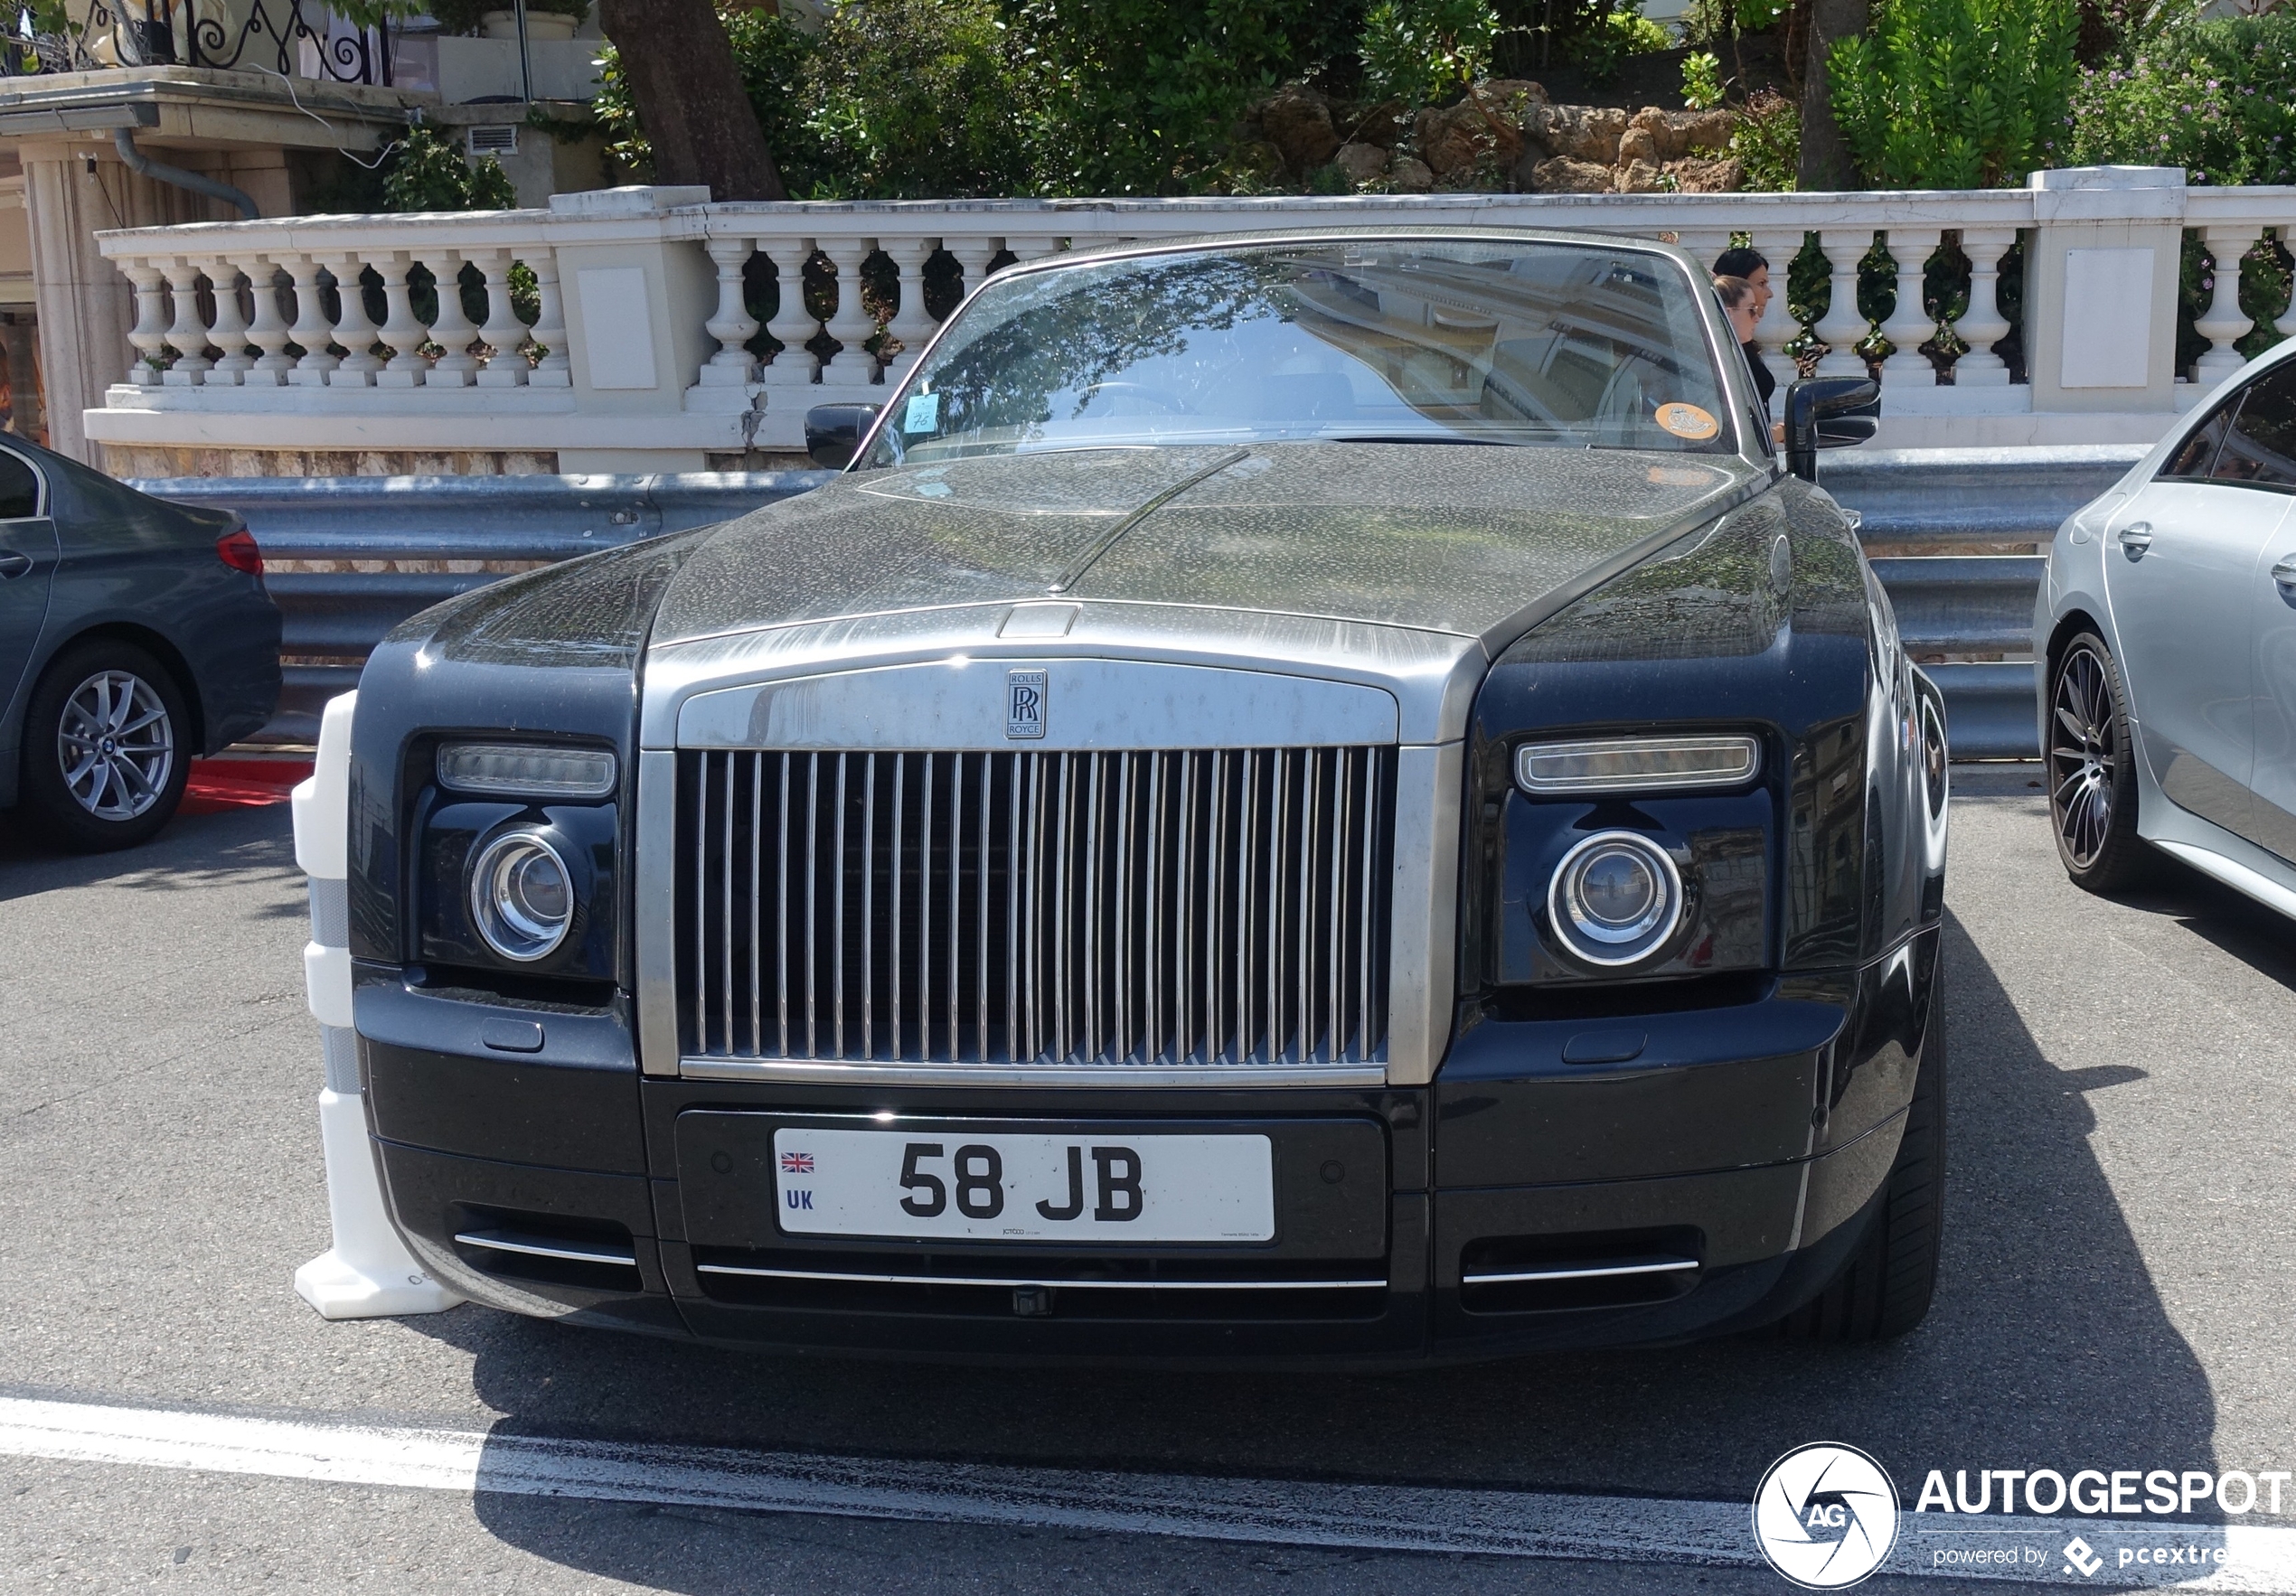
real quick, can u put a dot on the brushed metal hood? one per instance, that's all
(1473, 540)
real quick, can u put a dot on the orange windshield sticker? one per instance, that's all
(1688, 421)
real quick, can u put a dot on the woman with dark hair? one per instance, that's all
(1741, 304)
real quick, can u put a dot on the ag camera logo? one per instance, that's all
(1826, 1515)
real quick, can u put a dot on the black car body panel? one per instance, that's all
(121, 563)
(1732, 1108)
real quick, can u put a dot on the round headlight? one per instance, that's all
(1616, 899)
(521, 895)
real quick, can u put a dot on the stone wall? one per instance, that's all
(1504, 136)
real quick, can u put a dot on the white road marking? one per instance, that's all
(1417, 1519)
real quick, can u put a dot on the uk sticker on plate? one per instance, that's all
(1092, 1186)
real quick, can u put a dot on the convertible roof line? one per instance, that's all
(1085, 561)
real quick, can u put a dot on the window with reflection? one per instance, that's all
(1407, 341)
(2259, 450)
(19, 488)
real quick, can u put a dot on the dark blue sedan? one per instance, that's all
(134, 634)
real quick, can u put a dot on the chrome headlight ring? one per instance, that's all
(1616, 899)
(522, 895)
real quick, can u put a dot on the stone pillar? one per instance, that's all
(2101, 287)
(84, 304)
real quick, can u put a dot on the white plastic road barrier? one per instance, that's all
(368, 1273)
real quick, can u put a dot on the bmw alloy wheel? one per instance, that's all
(2084, 757)
(115, 746)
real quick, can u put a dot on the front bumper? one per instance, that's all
(1711, 1183)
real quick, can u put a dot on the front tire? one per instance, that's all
(2092, 770)
(104, 750)
(1885, 1290)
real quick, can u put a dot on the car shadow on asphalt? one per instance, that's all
(2049, 1347)
(191, 852)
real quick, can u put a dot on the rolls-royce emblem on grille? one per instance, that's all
(1024, 703)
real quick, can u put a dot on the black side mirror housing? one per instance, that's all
(1828, 413)
(833, 433)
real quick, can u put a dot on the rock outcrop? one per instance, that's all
(1503, 134)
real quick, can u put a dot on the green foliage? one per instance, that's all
(1701, 80)
(1768, 143)
(1623, 31)
(772, 57)
(1956, 93)
(914, 99)
(1142, 96)
(1010, 97)
(427, 173)
(1420, 51)
(2209, 96)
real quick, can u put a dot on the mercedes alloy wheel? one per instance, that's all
(2092, 784)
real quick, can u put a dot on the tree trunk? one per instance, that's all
(1825, 158)
(688, 98)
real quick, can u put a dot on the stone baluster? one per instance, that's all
(2224, 321)
(851, 324)
(1034, 248)
(1910, 325)
(556, 367)
(973, 254)
(354, 329)
(451, 328)
(313, 332)
(1843, 325)
(269, 331)
(149, 334)
(791, 327)
(912, 324)
(187, 334)
(1702, 244)
(1777, 327)
(2286, 326)
(402, 331)
(504, 332)
(733, 366)
(227, 332)
(1982, 324)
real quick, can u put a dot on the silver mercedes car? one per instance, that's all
(2168, 679)
(1321, 797)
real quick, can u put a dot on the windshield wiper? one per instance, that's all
(1411, 437)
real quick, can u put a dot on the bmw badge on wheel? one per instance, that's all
(1826, 1515)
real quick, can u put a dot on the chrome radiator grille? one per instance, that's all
(1211, 907)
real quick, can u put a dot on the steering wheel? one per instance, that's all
(1117, 387)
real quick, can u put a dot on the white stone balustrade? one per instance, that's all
(261, 335)
(1909, 324)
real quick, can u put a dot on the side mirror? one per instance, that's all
(833, 433)
(1828, 413)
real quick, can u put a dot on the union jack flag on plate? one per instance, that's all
(796, 1163)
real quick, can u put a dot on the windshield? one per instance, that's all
(1405, 340)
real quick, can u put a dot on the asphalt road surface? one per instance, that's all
(2117, 1294)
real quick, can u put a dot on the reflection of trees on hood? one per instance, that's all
(1083, 332)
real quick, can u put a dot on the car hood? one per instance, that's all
(1466, 539)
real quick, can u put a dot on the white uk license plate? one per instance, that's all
(1095, 1186)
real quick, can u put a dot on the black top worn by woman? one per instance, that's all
(1765, 382)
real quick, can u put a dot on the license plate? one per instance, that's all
(998, 1186)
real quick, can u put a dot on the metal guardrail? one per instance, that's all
(409, 533)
